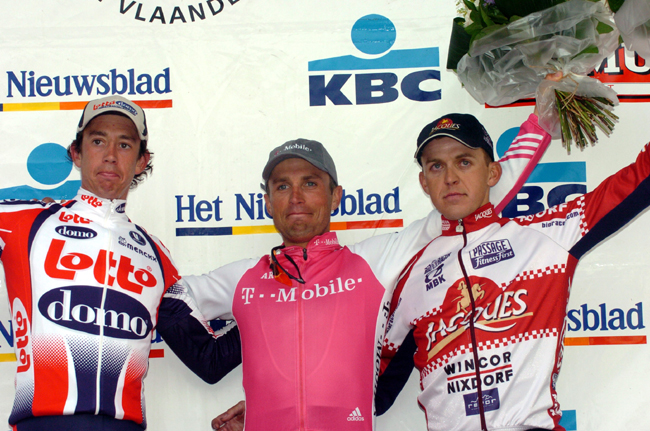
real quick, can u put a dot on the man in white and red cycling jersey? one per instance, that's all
(312, 313)
(85, 286)
(480, 310)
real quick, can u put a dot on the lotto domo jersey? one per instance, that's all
(84, 286)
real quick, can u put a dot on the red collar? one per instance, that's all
(480, 218)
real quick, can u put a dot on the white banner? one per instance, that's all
(225, 81)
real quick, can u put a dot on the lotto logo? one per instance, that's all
(65, 266)
(92, 200)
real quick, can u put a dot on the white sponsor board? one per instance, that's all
(228, 80)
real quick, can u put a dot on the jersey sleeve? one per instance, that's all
(213, 292)
(170, 273)
(519, 161)
(210, 355)
(582, 223)
(388, 254)
(398, 347)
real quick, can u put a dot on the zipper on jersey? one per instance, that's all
(102, 304)
(472, 332)
(301, 357)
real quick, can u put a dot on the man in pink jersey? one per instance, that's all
(480, 310)
(312, 313)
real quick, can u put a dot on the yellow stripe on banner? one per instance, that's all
(44, 106)
(250, 230)
(7, 357)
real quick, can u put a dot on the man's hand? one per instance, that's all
(232, 419)
(556, 76)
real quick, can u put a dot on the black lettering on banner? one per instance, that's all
(147, 11)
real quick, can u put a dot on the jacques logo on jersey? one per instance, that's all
(496, 311)
(80, 308)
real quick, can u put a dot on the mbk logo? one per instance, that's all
(65, 267)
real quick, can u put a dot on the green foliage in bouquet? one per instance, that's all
(486, 17)
(615, 5)
(512, 8)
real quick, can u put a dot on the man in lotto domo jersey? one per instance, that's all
(85, 286)
(480, 310)
(312, 313)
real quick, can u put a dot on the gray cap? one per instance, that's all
(118, 105)
(312, 151)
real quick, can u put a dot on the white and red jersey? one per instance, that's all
(483, 306)
(311, 350)
(84, 287)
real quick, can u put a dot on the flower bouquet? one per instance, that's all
(632, 18)
(503, 49)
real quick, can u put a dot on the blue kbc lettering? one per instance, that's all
(373, 35)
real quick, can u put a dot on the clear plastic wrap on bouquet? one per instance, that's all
(509, 63)
(581, 85)
(633, 21)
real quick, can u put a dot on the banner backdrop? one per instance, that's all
(225, 81)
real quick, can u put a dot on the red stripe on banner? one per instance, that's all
(144, 104)
(153, 104)
(157, 353)
(605, 341)
(72, 106)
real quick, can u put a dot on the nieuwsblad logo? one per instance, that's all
(128, 82)
(381, 75)
(171, 12)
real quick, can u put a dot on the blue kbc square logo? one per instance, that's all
(48, 165)
(490, 402)
(375, 79)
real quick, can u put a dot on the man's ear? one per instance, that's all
(337, 194)
(423, 183)
(494, 173)
(267, 202)
(76, 156)
(142, 163)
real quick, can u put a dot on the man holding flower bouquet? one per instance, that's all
(480, 310)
